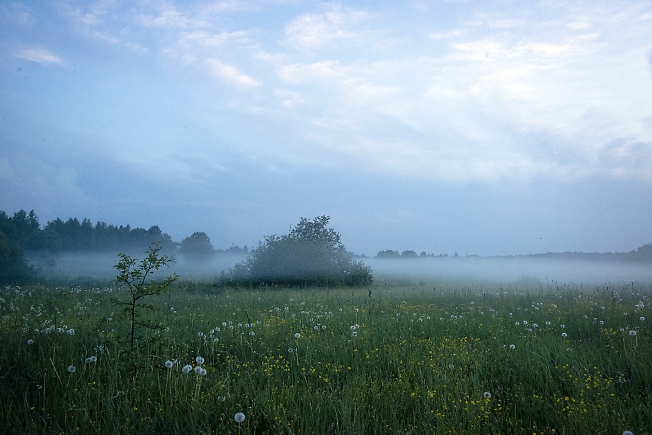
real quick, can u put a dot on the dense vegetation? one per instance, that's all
(22, 233)
(456, 359)
(310, 254)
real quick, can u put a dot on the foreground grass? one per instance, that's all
(397, 358)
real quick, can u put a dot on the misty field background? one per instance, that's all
(399, 356)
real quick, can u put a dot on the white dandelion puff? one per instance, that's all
(168, 364)
(563, 334)
(297, 335)
(199, 360)
(30, 341)
(512, 346)
(487, 395)
(186, 369)
(239, 417)
(632, 333)
(72, 369)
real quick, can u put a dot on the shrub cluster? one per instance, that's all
(311, 254)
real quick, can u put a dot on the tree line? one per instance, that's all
(74, 235)
(22, 233)
(642, 254)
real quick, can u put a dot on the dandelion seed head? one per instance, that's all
(72, 369)
(199, 360)
(186, 369)
(239, 417)
(30, 341)
(168, 364)
(563, 334)
(297, 335)
(512, 346)
(632, 333)
(487, 395)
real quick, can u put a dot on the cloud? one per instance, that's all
(313, 31)
(229, 74)
(450, 34)
(168, 16)
(189, 40)
(19, 13)
(39, 55)
(289, 98)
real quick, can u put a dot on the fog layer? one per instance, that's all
(504, 269)
(499, 269)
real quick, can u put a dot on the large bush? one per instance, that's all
(197, 247)
(311, 254)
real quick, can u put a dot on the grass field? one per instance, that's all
(397, 357)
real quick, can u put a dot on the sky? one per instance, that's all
(490, 128)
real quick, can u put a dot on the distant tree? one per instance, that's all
(642, 254)
(423, 254)
(14, 268)
(197, 247)
(388, 254)
(237, 250)
(408, 254)
(311, 254)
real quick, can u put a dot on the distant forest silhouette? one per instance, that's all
(641, 255)
(24, 230)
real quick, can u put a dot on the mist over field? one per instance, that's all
(508, 270)
(71, 265)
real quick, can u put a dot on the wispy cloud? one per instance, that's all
(230, 74)
(313, 31)
(39, 55)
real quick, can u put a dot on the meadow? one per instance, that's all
(396, 357)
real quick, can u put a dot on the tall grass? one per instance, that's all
(396, 358)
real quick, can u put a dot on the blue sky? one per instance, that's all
(485, 128)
